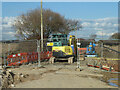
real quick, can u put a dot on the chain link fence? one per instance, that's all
(16, 47)
(107, 50)
(103, 48)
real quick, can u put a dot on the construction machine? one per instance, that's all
(62, 48)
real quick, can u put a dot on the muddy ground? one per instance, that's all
(61, 75)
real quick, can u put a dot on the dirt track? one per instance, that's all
(60, 75)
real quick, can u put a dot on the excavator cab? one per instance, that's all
(57, 39)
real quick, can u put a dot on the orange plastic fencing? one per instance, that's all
(82, 50)
(21, 58)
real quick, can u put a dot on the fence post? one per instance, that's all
(110, 68)
(78, 54)
(38, 50)
(102, 50)
(4, 60)
(9, 49)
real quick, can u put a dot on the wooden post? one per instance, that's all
(41, 28)
(38, 50)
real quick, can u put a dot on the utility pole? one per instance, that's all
(41, 28)
(102, 46)
(38, 41)
(38, 50)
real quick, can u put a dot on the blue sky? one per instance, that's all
(98, 18)
(84, 10)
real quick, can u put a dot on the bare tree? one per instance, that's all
(28, 26)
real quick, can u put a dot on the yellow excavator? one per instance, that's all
(63, 50)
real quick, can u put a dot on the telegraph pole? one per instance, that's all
(102, 46)
(41, 28)
(38, 50)
(38, 41)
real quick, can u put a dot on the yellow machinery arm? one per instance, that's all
(72, 41)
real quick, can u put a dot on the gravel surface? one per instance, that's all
(60, 75)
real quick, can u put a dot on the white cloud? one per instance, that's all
(105, 24)
(8, 22)
(96, 26)
(100, 33)
(98, 29)
(115, 25)
(7, 28)
(11, 33)
(109, 34)
(85, 24)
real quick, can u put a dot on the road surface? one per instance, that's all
(60, 76)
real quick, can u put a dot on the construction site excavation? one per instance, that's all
(48, 50)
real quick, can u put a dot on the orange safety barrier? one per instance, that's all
(82, 50)
(23, 58)
(104, 68)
